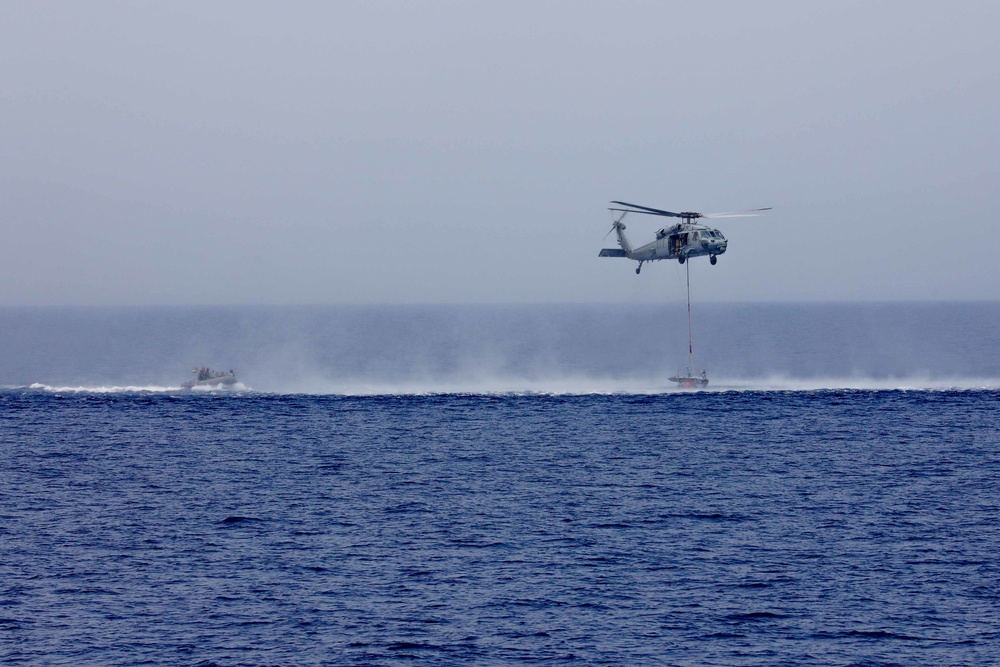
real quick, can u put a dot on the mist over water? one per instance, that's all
(563, 349)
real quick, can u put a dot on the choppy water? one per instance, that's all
(604, 524)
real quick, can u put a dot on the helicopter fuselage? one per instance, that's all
(680, 242)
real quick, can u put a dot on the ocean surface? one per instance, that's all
(501, 485)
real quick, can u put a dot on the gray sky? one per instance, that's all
(443, 152)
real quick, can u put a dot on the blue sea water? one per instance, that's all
(501, 485)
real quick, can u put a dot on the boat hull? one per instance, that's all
(690, 381)
(220, 381)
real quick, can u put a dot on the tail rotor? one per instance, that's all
(616, 225)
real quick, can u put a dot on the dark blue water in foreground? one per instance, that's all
(830, 527)
(501, 486)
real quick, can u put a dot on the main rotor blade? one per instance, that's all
(752, 213)
(646, 209)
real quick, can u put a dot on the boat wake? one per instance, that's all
(565, 386)
(582, 386)
(913, 383)
(216, 388)
(131, 389)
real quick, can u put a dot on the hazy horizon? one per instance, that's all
(664, 299)
(447, 348)
(438, 152)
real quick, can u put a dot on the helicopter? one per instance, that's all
(680, 241)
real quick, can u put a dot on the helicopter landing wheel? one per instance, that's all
(713, 259)
(681, 259)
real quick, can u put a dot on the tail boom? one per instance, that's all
(626, 248)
